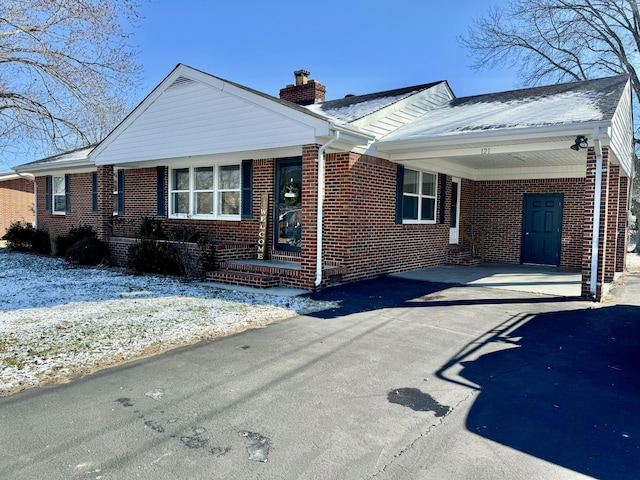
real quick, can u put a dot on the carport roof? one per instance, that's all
(548, 106)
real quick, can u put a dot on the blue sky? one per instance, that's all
(349, 46)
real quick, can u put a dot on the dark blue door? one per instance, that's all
(542, 228)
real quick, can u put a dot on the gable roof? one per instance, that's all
(354, 107)
(192, 113)
(548, 106)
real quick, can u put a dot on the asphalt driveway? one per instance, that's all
(404, 380)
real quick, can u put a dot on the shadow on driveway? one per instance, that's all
(565, 388)
(393, 292)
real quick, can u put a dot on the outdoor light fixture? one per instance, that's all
(581, 142)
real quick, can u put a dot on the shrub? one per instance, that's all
(184, 234)
(64, 242)
(88, 251)
(24, 238)
(152, 256)
(152, 228)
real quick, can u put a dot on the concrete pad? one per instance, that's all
(520, 278)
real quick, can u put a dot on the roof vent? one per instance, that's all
(181, 81)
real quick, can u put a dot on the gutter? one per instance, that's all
(597, 202)
(320, 161)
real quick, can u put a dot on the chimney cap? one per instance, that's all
(302, 73)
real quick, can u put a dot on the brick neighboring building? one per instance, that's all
(360, 186)
(16, 201)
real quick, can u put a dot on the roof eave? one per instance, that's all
(491, 137)
(52, 167)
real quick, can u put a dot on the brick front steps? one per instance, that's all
(461, 257)
(255, 273)
(266, 273)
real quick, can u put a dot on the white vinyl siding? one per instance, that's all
(194, 119)
(206, 192)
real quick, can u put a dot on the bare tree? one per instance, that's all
(562, 40)
(559, 40)
(67, 72)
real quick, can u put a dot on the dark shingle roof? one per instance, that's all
(608, 91)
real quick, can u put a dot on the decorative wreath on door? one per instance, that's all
(290, 193)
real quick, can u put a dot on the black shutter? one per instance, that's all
(94, 192)
(247, 182)
(47, 193)
(399, 192)
(67, 192)
(160, 191)
(443, 196)
(120, 192)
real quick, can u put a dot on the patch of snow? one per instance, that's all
(353, 111)
(57, 320)
(561, 109)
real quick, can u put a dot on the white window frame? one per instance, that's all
(216, 192)
(420, 195)
(115, 191)
(55, 194)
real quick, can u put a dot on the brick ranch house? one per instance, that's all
(301, 191)
(16, 200)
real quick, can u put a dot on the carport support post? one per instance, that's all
(596, 193)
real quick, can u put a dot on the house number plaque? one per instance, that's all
(262, 227)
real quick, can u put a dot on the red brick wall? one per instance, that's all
(81, 213)
(16, 202)
(497, 208)
(360, 232)
(621, 244)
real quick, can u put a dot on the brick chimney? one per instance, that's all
(305, 91)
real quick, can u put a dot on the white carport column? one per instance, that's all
(595, 190)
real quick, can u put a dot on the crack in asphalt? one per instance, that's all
(430, 429)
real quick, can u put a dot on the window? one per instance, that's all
(118, 192)
(419, 196)
(59, 194)
(205, 192)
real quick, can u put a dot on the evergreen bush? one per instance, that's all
(152, 256)
(88, 251)
(23, 237)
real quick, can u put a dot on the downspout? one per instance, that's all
(597, 201)
(320, 202)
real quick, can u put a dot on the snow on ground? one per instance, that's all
(58, 320)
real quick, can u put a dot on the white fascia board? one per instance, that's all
(77, 166)
(490, 137)
(352, 135)
(15, 176)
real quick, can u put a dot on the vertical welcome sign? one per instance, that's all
(262, 228)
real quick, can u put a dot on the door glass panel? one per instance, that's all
(289, 205)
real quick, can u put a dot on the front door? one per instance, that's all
(288, 204)
(454, 230)
(542, 228)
